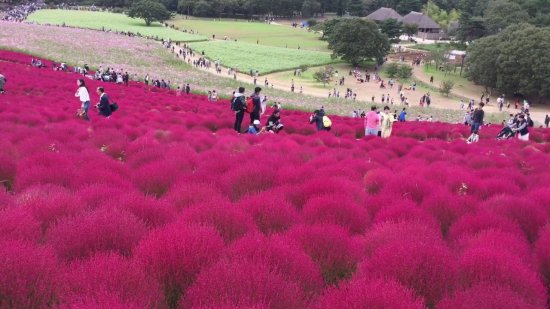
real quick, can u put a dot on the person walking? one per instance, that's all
(372, 121)
(84, 96)
(547, 120)
(387, 122)
(257, 102)
(238, 105)
(4, 80)
(477, 118)
(104, 105)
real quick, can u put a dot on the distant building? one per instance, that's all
(427, 28)
(383, 14)
(456, 56)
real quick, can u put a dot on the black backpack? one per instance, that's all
(237, 104)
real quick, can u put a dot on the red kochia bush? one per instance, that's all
(500, 268)
(103, 300)
(428, 269)
(331, 247)
(28, 276)
(542, 251)
(337, 209)
(18, 223)
(230, 221)
(99, 230)
(370, 293)
(151, 211)
(89, 279)
(489, 297)
(271, 212)
(176, 253)
(242, 284)
(282, 256)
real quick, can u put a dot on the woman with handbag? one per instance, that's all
(84, 95)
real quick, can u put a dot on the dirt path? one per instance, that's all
(365, 91)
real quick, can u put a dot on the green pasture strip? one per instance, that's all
(110, 21)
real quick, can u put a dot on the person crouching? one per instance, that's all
(274, 124)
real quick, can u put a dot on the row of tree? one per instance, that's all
(514, 61)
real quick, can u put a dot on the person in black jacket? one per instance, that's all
(3, 81)
(255, 114)
(104, 105)
(238, 105)
(477, 118)
(274, 124)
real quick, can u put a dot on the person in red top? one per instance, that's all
(372, 122)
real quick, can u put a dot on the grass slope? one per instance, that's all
(251, 32)
(266, 59)
(115, 22)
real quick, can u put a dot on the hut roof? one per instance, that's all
(383, 14)
(421, 20)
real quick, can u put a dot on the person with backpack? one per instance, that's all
(84, 95)
(238, 106)
(256, 107)
(322, 122)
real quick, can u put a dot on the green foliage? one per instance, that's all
(324, 75)
(357, 40)
(410, 29)
(312, 22)
(391, 28)
(446, 87)
(515, 60)
(310, 8)
(404, 71)
(406, 6)
(328, 27)
(501, 14)
(356, 8)
(392, 69)
(440, 16)
(149, 10)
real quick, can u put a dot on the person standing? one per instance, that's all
(257, 102)
(403, 116)
(387, 122)
(187, 89)
(84, 96)
(238, 105)
(547, 120)
(477, 118)
(372, 121)
(522, 128)
(4, 80)
(104, 105)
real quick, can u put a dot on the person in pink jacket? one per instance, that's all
(372, 122)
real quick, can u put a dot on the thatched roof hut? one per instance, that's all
(383, 14)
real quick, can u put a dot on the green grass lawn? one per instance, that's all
(115, 22)
(251, 32)
(460, 81)
(265, 59)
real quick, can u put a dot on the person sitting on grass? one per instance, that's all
(3, 81)
(255, 128)
(274, 124)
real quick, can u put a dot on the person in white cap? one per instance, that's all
(255, 127)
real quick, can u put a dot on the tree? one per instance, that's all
(515, 60)
(392, 28)
(440, 16)
(149, 11)
(357, 40)
(404, 71)
(356, 8)
(410, 29)
(202, 8)
(471, 28)
(328, 27)
(310, 8)
(446, 87)
(406, 6)
(501, 14)
(391, 69)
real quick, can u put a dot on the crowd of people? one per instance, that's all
(20, 12)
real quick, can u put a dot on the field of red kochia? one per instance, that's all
(163, 205)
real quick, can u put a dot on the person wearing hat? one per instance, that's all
(254, 128)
